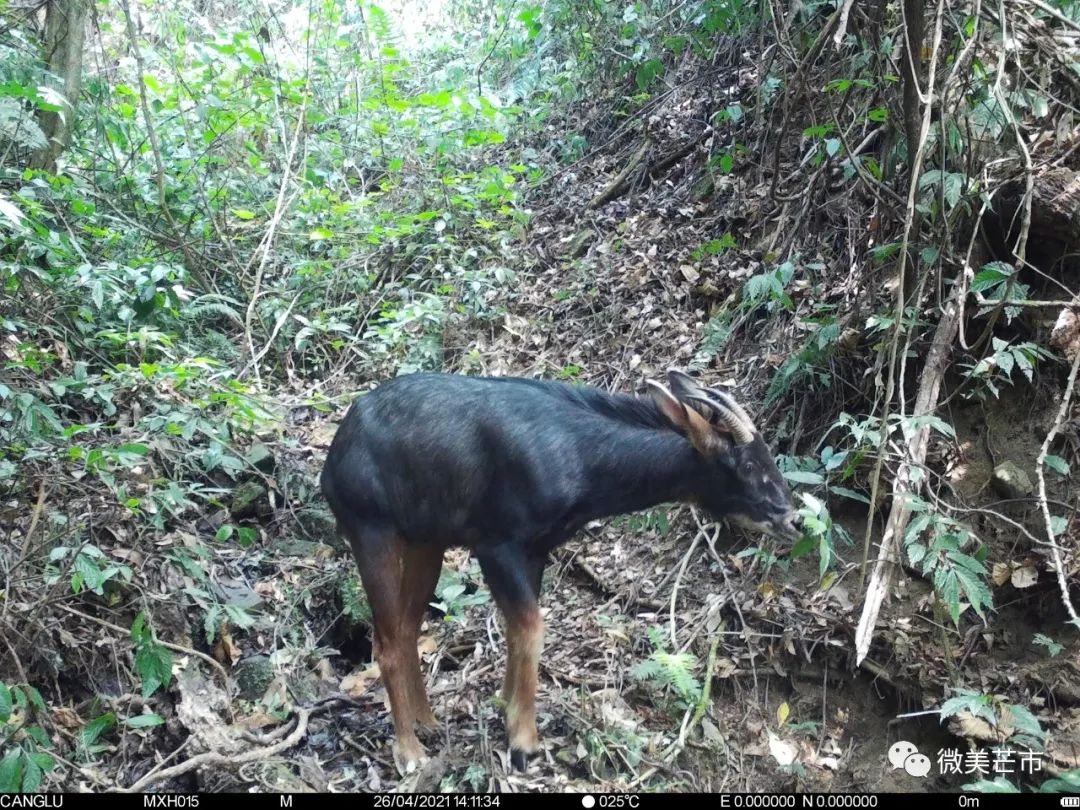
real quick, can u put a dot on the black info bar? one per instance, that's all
(510, 801)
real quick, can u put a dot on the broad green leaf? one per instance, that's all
(93, 730)
(154, 665)
(1057, 464)
(145, 720)
(804, 477)
(11, 770)
(998, 785)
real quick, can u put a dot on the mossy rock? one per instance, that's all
(247, 500)
(254, 676)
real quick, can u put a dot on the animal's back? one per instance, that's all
(460, 460)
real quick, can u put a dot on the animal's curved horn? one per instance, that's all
(739, 428)
(729, 402)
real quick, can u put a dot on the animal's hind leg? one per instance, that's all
(380, 556)
(514, 580)
(421, 568)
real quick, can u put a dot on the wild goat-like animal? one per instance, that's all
(511, 468)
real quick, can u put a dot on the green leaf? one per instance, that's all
(1068, 782)
(803, 547)
(974, 589)
(648, 73)
(144, 721)
(978, 705)
(646, 670)
(825, 550)
(38, 735)
(999, 785)
(1057, 464)
(953, 188)
(154, 664)
(1025, 721)
(36, 700)
(804, 477)
(43, 760)
(990, 276)
(916, 527)
(5, 703)
(134, 449)
(93, 730)
(32, 776)
(851, 494)
(11, 770)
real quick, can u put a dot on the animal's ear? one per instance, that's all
(686, 420)
(683, 385)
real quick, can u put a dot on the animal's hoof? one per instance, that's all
(519, 759)
(409, 756)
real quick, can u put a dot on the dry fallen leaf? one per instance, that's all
(67, 717)
(710, 731)
(1000, 574)
(259, 719)
(322, 435)
(357, 683)
(725, 668)
(269, 589)
(1025, 577)
(427, 645)
(782, 751)
(225, 650)
(965, 724)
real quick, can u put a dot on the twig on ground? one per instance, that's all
(1055, 550)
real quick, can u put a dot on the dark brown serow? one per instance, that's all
(510, 468)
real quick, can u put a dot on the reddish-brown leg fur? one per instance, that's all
(397, 579)
(420, 573)
(525, 641)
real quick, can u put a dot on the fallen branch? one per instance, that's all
(841, 29)
(621, 182)
(1026, 302)
(1055, 550)
(926, 401)
(222, 760)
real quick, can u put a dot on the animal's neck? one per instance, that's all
(633, 470)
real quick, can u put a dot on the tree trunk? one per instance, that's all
(65, 29)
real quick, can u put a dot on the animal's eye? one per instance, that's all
(748, 469)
